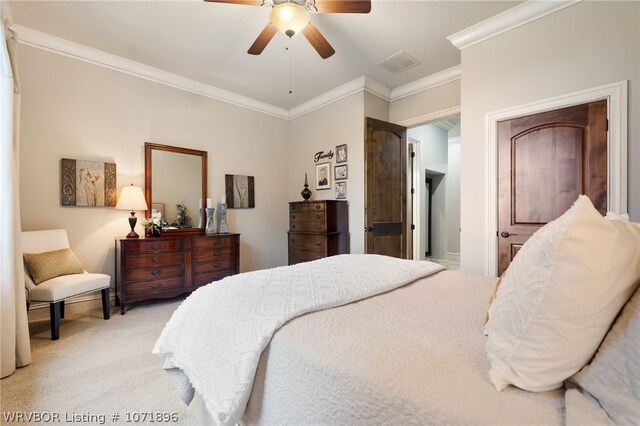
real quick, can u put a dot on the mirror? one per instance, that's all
(176, 176)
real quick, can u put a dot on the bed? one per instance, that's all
(366, 339)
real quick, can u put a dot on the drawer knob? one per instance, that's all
(217, 253)
(156, 259)
(293, 227)
(155, 273)
(318, 257)
(156, 246)
(217, 264)
(318, 207)
(318, 216)
(318, 242)
(293, 240)
(293, 216)
(155, 285)
(217, 242)
(318, 226)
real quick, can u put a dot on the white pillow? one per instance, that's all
(613, 376)
(559, 297)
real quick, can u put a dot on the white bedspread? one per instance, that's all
(215, 338)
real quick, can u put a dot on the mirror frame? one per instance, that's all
(148, 178)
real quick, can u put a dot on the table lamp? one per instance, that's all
(132, 198)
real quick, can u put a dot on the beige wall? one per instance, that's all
(430, 101)
(73, 109)
(582, 46)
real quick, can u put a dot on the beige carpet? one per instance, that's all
(97, 368)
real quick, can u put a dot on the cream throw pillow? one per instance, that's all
(50, 264)
(559, 297)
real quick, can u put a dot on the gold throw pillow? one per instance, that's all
(493, 297)
(51, 264)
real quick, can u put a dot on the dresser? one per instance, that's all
(317, 229)
(164, 267)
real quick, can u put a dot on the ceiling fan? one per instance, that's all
(292, 16)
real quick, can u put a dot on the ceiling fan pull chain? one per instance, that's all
(290, 90)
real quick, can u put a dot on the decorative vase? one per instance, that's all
(222, 212)
(156, 231)
(211, 226)
(306, 192)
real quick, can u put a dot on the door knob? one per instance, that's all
(369, 229)
(505, 234)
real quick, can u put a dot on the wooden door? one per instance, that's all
(544, 162)
(385, 188)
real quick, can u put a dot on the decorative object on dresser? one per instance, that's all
(317, 229)
(223, 228)
(211, 225)
(87, 183)
(240, 191)
(132, 199)
(158, 268)
(306, 192)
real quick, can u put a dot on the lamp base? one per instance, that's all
(132, 223)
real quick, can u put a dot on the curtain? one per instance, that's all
(14, 331)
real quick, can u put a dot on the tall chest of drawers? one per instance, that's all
(317, 229)
(164, 267)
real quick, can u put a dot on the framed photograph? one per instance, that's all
(341, 190)
(157, 208)
(341, 153)
(240, 191)
(323, 176)
(87, 183)
(340, 172)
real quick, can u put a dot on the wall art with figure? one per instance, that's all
(87, 183)
(240, 191)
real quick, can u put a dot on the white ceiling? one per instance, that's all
(207, 42)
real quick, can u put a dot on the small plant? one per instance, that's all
(152, 222)
(183, 217)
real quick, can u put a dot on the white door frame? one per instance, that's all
(417, 197)
(616, 97)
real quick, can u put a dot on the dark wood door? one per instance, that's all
(386, 188)
(544, 162)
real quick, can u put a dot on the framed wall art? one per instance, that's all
(340, 172)
(341, 190)
(87, 183)
(341, 153)
(323, 176)
(240, 191)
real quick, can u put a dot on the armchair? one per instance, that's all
(57, 289)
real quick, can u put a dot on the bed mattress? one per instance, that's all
(414, 355)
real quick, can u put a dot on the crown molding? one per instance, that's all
(507, 20)
(40, 40)
(445, 124)
(362, 83)
(426, 83)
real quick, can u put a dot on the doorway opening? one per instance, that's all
(435, 191)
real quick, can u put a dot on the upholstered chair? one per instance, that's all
(58, 274)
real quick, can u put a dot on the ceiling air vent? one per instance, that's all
(398, 62)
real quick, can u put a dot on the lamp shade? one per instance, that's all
(289, 18)
(131, 198)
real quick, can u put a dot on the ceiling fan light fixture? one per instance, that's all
(289, 18)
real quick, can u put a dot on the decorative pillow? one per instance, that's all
(559, 297)
(493, 297)
(51, 264)
(613, 376)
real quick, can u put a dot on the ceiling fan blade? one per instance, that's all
(263, 39)
(317, 40)
(247, 2)
(343, 6)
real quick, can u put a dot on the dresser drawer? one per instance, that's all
(309, 206)
(151, 260)
(215, 265)
(213, 254)
(208, 277)
(307, 222)
(214, 242)
(308, 242)
(142, 274)
(153, 246)
(149, 289)
(301, 255)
